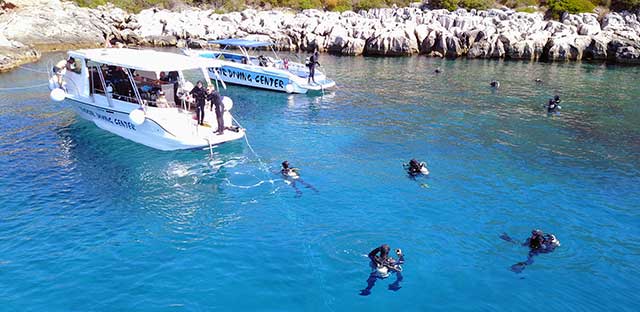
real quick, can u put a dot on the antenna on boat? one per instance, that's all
(218, 78)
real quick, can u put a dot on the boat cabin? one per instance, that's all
(144, 77)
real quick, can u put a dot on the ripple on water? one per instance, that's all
(134, 227)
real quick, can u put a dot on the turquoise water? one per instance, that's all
(90, 221)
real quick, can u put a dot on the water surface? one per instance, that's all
(91, 221)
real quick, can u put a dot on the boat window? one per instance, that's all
(116, 80)
(155, 89)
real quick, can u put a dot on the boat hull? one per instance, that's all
(275, 77)
(262, 80)
(150, 133)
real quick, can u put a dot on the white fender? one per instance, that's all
(57, 95)
(227, 103)
(137, 116)
(289, 88)
(188, 86)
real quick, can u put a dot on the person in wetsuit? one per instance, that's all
(313, 61)
(292, 177)
(216, 102)
(415, 168)
(200, 95)
(538, 243)
(381, 265)
(288, 171)
(553, 105)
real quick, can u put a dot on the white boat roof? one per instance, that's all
(146, 60)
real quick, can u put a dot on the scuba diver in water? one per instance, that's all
(382, 266)
(288, 171)
(415, 168)
(538, 243)
(292, 177)
(495, 84)
(554, 105)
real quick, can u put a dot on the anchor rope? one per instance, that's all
(33, 70)
(246, 139)
(25, 87)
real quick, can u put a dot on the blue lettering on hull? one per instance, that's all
(234, 75)
(109, 119)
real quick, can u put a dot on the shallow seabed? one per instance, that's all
(90, 221)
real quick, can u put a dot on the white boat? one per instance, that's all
(118, 90)
(261, 71)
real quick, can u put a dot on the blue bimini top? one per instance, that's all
(241, 43)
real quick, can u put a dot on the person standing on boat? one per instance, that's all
(313, 61)
(200, 95)
(216, 101)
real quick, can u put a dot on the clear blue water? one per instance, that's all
(90, 221)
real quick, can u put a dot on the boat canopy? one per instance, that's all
(144, 60)
(241, 43)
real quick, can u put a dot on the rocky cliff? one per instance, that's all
(47, 24)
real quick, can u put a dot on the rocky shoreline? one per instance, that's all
(41, 25)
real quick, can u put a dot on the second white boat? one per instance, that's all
(272, 73)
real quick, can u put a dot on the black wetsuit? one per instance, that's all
(414, 170)
(313, 60)
(537, 244)
(200, 95)
(384, 259)
(552, 106)
(216, 101)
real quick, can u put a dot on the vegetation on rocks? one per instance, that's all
(558, 7)
(553, 8)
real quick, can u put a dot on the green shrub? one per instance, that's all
(519, 3)
(629, 5)
(527, 10)
(234, 5)
(338, 5)
(127, 5)
(557, 7)
(367, 4)
(475, 4)
(399, 3)
(309, 4)
(450, 5)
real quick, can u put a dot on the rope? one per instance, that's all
(25, 87)
(33, 70)
(246, 139)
